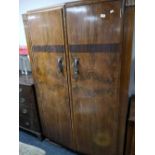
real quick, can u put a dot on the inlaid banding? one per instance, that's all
(77, 48)
(48, 48)
(95, 48)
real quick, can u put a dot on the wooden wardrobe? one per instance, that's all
(77, 51)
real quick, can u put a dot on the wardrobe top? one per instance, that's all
(54, 7)
(68, 4)
(85, 2)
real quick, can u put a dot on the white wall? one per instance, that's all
(25, 5)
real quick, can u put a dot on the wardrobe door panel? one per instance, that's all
(94, 40)
(49, 63)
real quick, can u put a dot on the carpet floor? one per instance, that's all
(50, 148)
(26, 149)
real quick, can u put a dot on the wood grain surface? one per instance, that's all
(47, 47)
(96, 43)
(128, 29)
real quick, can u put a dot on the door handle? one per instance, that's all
(76, 68)
(60, 65)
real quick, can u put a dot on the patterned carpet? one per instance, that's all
(26, 149)
(50, 148)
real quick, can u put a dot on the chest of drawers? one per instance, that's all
(130, 135)
(28, 112)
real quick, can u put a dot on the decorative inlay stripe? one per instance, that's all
(94, 48)
(48, 48)
(77, 48)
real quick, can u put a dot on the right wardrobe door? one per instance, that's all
(94, 40)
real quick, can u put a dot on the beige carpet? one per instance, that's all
(25, 149)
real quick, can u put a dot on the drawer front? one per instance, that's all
(28, 112)
(26, 94)
(28, 116)
(24, 111)
(24, 101)
(25, 122)
(29, 123)
(25, 90)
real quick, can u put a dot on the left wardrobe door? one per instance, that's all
(47, 49)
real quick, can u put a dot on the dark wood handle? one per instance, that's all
(76, 68)
(60, 65)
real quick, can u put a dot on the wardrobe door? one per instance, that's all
(45, 29)
(94, 40)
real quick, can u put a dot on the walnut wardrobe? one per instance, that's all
(77, 51)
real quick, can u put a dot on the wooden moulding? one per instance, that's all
(129, 14)
(50, 8)
(85, 2)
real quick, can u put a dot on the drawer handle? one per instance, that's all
(27, 123)
(20, 90)
(24, 111)
(76, 68)
(22, 100)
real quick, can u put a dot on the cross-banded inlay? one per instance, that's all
(48, 48)
(77, 48)
(95, 48)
